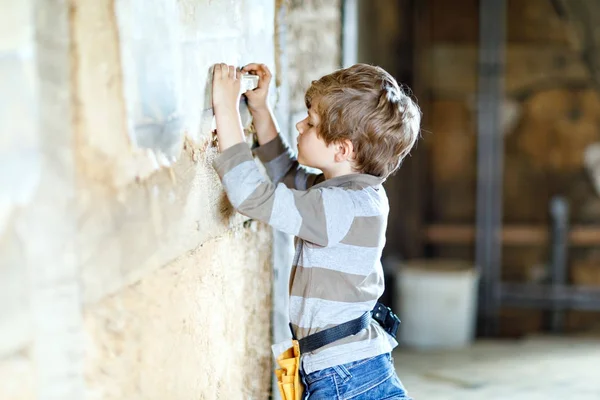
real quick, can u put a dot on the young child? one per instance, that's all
(359, 127)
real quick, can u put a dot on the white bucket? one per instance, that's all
(437, 303)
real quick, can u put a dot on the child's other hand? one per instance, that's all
(225, 87)
(257, 98)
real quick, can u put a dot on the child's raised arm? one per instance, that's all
(306, 214)
(321, 216)
(279, 161)
(226, 94)
(262, 117)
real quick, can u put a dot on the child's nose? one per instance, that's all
(299, 126)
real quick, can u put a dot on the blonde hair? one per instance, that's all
(363, 103)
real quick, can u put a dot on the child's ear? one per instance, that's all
(345, 151)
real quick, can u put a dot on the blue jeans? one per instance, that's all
(369, 379)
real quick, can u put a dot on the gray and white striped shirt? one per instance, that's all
(339, 226)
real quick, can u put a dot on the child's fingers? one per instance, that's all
(265, 70)
(252, 67)
(262, 71)
(265, 77)
(231, 71)
(257, 69)
(238, 73)
(223, 70)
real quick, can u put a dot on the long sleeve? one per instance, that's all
(282, 166)
(322, 216)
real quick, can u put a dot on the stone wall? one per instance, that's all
(314, 47)
(124, 272)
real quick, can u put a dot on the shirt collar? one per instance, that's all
(360, 180)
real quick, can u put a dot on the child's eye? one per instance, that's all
(309, 124)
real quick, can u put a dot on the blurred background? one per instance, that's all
(125, 274)
(510, 128)
(501, 199)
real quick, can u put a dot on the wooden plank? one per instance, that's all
(528, 68)
(454, 21)
(406, 217)
(556, 127)
(528, 21)
(579, 235)
(536, 21)
(543, 296)
(453, 145)
(586, 272)
(545, 156)
(584, 17)
(519, 322)
(584, 235)
(452, 162)
(417, 189)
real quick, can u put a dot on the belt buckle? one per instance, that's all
(387, 319)
(380, 313)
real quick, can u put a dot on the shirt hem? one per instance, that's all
(311, 366)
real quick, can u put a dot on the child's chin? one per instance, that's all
(301, 161)
(304, 162)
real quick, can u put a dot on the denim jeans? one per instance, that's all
(369, 379)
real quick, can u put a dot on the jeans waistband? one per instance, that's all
(343, 370)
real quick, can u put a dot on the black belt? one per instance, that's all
(382, 314)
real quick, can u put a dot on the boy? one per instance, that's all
(359, 127)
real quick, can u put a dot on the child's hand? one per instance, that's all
(226, 87)
(257, 98)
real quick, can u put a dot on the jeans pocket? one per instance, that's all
(342, 372)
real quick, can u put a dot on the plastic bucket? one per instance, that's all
(437, 303)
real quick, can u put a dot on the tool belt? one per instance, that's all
(288, 375)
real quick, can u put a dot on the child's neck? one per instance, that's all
(339, 170)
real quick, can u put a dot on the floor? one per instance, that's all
(529, 369)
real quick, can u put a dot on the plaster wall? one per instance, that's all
(124, 272)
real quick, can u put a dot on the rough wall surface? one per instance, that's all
(91, 218)
(19, 151)
(196, 328)
(314, 45)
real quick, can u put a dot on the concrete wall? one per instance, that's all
(314, 46)
(124, 272)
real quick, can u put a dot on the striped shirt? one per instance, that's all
(339, 226)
